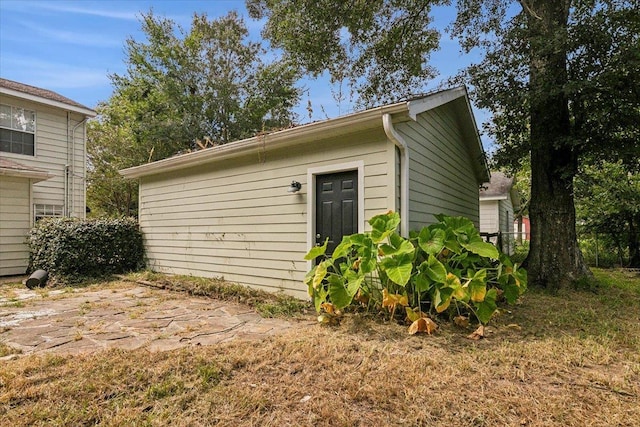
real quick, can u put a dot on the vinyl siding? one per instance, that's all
(14, 225)
(497, 215)
(51, 155)
(441, 170)
(235, 219)
(506, 225)
(489, 216)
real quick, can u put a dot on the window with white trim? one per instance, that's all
(17, 130)
(46, 211)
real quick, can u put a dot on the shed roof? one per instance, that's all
(42, 96)
(500, 187)
(15, 169)
(367, 119)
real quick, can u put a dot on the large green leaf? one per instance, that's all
(486, 308)
(434, 269)
(431, 240)
(317, 251)
(397, 246)
(422, 282)
(482, 248)
(340, 292)
(343, 248)
(382, 226)
(398, 268)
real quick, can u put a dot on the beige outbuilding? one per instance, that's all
(249, 210)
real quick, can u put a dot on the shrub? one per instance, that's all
(520, 252)
(445, 268)
(71, 248)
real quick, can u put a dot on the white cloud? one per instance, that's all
(72, 37)
(52, 75)
(128, 15)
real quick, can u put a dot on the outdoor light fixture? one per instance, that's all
(294, 187)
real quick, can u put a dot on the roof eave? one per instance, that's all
(41, 100)
(37, 176)
(287, 137)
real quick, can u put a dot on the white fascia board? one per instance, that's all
(489, 198)
(430, 102)
(37, 176)
(40, 100)
(287, 137)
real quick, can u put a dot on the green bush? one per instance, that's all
(71, 248)
(520, 252)
(445, 268)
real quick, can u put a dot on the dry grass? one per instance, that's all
(566, 360)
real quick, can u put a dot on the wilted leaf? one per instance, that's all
(461, 321)
(320, 274)
(328, 307)
(414, 314)
(393, 300)
(423, 324)
(477, 334)
(361, 297)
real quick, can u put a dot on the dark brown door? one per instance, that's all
(336, 207)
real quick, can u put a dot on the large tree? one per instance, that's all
(379, 48)
(185, 90)
(210, 83)
(557, 75)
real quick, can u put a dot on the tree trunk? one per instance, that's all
(554, 259)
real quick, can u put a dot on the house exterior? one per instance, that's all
(42, 165)
(498, 202)
(233, 211)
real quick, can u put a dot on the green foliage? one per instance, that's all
(182, 91)
(445, 267)
(70, 248)
(380, 48)
(608, 209)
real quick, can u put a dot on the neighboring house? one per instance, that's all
(42, 165)
(522, 230)
(233, 211)
(498, 201)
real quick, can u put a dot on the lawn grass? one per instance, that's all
(571, 359)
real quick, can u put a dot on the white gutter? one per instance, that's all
(397, 139)
(279, 139)
(46, 101)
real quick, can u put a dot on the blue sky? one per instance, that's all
(71, 47)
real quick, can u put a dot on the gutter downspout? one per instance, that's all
(399, 141)
(73, 162)
(66, 212)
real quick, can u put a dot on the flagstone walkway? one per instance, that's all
(127, 317)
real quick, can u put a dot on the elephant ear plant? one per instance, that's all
(444, 268)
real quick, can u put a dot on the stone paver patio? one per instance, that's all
(130, 317)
